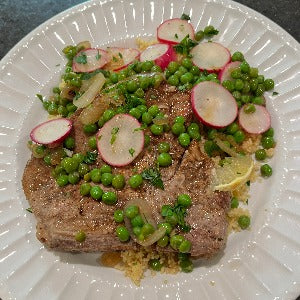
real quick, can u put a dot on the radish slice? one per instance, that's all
(256, 122)
(173, 31)
(121, 57)
(225, 74)
(51, 132)
(161, 54)
(210, 56)
(120, 141)
(89, 60)
(213, 104)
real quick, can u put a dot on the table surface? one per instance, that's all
(19, 17)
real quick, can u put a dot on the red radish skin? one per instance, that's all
(210, 56)
(225, 74)
(257, 122)
(52, 132)
(128, 55)
(173, 31)
(213, 105)
(118, 153)
(161, 54)
(95, 59)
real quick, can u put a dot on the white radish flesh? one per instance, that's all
(120, 58)
(89, 60)
(213, 104)
(120, 140)
(51, 132)
(210, 56)
(225, 74)
(161, 54)
(173, 31)
(257, 122)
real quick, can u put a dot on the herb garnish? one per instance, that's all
(248, 183)
(40, 97)
(210, 31)
(176, 36)
(114, 132)
(29, 209)
(90, 157)
(185, 17)
(98, 56)
(185, 46)
(81, 59)
(131, 151)
(121, 56)
(275, 94)
(154, 176)
(115, 59)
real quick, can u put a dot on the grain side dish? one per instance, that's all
(149, 153)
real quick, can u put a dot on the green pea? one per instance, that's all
(147, 118)
(234, 202)
(135, 181)
(211, 76)
(85, 189)
(199, 35)
(119, 216)
(178, 74)
(114, 77)
(155, 264)
(244, 67)
(147, 140)
(176, 241)
(258, 100)
(167, 227)
(195, 71)
(73, 177)
(244, 222)
(105, 169)
(186, 266)
(157, 129)
(147, 65)
(260, 90)
(193, 127)
(184, 139)
(249, 109)
(59, 170)
(131, 86)
(237, 56)
(96, 175)
(269, 132)
(78, 157)
(260, 154)
(108, 114)
(172, 219)
(253, 72)
(106, 179)
(239, 136)
(266, 170)
(46, 104)
(137, 230)
(239, 84)
(246, 88)
(184, 200)
(87, 177)
(185, 246)
(139, 93)
(164, 159)
(135, 113)
(122, 233)
(245, 77)
(142, 108)
(92, 143)
(101, 122)
(236, 73)
(246, 99)
(163, 242)
(163, 147)
(118, 181)
(209, 147)
(212, 134)
(153, 110)
(269, 84)
(70, 164)
(178, 128)
(173, 80)
(268, 142)
(156, 68)
(260, 78)
(80, 236)
(62, 180)
(232, 128)
(147, 229)
(131, 211)
(96, 192)
(62, 111)
(186, 78)
(90, 128)
(137, 221)
(187, 63)
(52, 108)
(109, 198)
(228, 84)
(144, 82)
(237, 95)
(173, 66)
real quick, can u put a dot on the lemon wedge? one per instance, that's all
(235, 172)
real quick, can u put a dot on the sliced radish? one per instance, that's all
(213, 104)
(120, 141)
(161, 54)
(210, 56)
(173, 31)
(51, 132)
(120, 58)
(89, 60)
(225, 74)
(256, 122)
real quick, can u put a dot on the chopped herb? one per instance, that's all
(176, 36)
(247, 202)
(185, 46)
(210, 30)
(40, 97)
(143, 127)
(185, 17)
(275, 94)
(57, 65)
(99, 137)
(81, 59)
(131, 151)
(90, 157)
(154, 176)
(77, 95)
(98, 56)
(121, 56)
(153, 96)
(114, 132)
(248, 182)
(29, 209)
(115, 59)
(238, 173)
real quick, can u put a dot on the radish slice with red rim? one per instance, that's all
(173, 31)
(256, 122)
(225, 74)
(89, 60)
(120, 140)
(51, 132)
(210, 56)
(161, 54)
(122, 57)
(213, 104)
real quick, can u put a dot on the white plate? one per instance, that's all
(262, 263)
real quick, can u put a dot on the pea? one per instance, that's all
(73, 177)
(157, 129)
(260, 154)
(182, 69)
(147, 140)
(62, 180)
(178, 74)
(194, 134)
(183, 256)
(156, 68)
(260, 90)
(163, 242)
(46, 104)
(246, 99)
(187, 63)
(62, 111)
(90, 128)
(244, 67)
(155, 264)
(199, 35)
(108, 114)
(193, 127)
(106, 179)
(239, 136)
(232, 128)
(237, 95)
(246, 88)
(118, 181)
(137, 230)
(164, 159)
(269, 132)
(176, 241)
(195, 70)
(249, 109)
(80, 236)
(186, 78)
(178, 128)
(179, 119)
(119, 216)
(144, 82)
(70, 164)
(92, 143)
(212, 134)
(147, 118)
(87, 177)
(237, 56)
(153, 110)
(109, 198)
(139, 93)
(239, 85)
(135, 113)
(173, 80)
(245, 77)
(131, 211)
(85, 189)
(173, 66)
(135, 181)
(131, 86)
(122, 233)
(96, 175)
(258, 100)
(105, 169)
(267, 142)
(101, 122)
(59, 170)
(260, 78)
(137, 221)
(253, 72)
(185, 246)
(172, 219)
(163, 147)
(52, 108)
(186, 266)
(266, 170)
(209, 147)
(71, 107)
(147, 229)
(211, 76)
(236, 73)
(228, 84)
(167, 227)
(114, 77)
(234, 202)
(269, 84)
(96, 192)
(184, 200)
(184, 139)
(244, 222)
